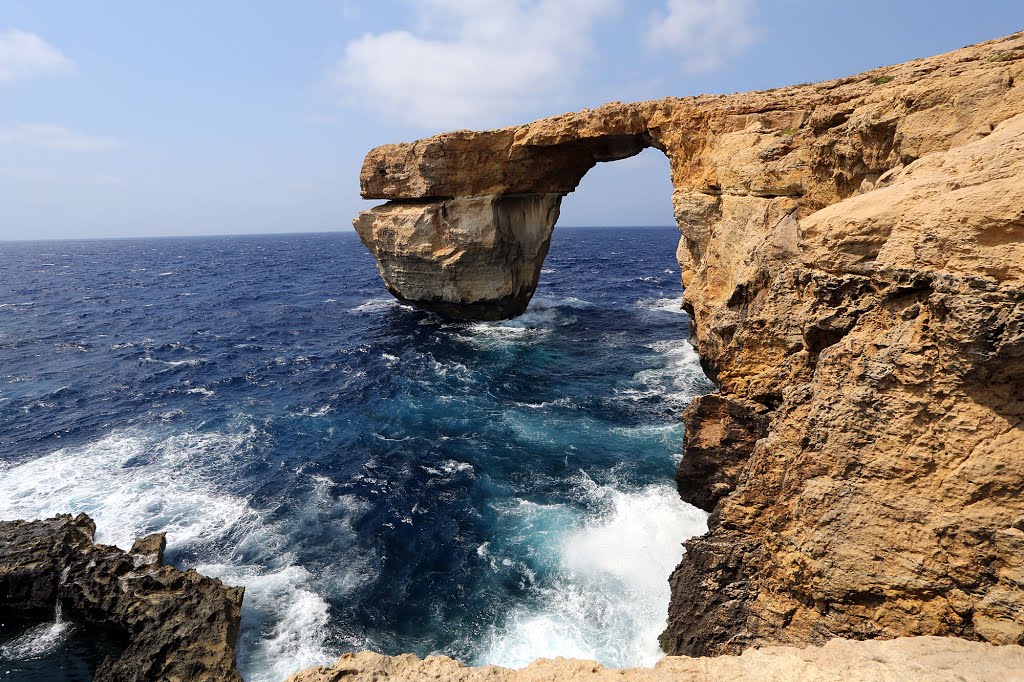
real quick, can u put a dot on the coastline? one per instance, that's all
(852, 257)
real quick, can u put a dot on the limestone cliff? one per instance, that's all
(853, 256)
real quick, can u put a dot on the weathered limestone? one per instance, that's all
(923, 659)
(176, 625)
(886, 498)
(853, 257)
(721, 432)
(472, 257)
(471, 245)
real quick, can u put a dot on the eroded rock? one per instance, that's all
(176, 625)
(925, 659)
(852, 256)
(720, 435)
(473, 257)
(749, 164)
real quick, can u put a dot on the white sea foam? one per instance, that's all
(41, 640)
(670, 435)
(321, 411)
(671, 305)
(193, 362)
(376, 305)
(136, 482)
(676, 381)
(547, 404)
(541, 302)
(299, 619)
(543, 316)
(609, 598)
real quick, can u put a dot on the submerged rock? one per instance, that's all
(852, 254)
(176, 625)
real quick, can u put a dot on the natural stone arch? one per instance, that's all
(815, 221)
(468, 227)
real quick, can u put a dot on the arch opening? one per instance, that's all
(465, 234)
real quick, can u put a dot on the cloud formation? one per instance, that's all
(26, 55)
(704, 32)
(51, 137)
(471, 64)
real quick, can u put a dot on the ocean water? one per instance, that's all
(376, 477)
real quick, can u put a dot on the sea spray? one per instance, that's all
(606, 593)
(375, 476)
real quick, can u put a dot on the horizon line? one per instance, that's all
(278, 234)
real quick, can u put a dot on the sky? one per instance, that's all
(121, 118)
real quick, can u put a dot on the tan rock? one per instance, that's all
(853, 256)
(924, 659)
(476, 257)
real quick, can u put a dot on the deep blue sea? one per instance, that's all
(375, 476)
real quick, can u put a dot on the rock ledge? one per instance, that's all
(923, 659)
(177, 625)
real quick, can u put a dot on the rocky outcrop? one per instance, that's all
(853, 256)
(490, 274)
(721, 432)
(175, 625)
(886, 498)
(926, 659)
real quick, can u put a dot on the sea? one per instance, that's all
(377, 477)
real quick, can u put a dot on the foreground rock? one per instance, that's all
(176, 625)
(853, 257)
(918, 658)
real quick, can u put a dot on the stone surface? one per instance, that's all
(720, 435)
(734, 159)
(853, 257)
(176, 625)
(927, 659)
(882, 500)
(471, 257)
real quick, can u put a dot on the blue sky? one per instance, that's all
(127, 118)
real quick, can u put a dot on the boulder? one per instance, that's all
(176, 625)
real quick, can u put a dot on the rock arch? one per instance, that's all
(852, 253)
(470, 215)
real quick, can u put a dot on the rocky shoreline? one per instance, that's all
(852, 254)
(174, 625)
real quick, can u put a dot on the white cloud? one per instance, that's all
(26, 55)
(704, 32)
(471, 64)
(52, 137)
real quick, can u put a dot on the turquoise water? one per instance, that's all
(375, 476)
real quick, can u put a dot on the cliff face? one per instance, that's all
(853, 256)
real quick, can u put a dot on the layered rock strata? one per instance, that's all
(175, 625)
(924, 659)
(852, 254)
